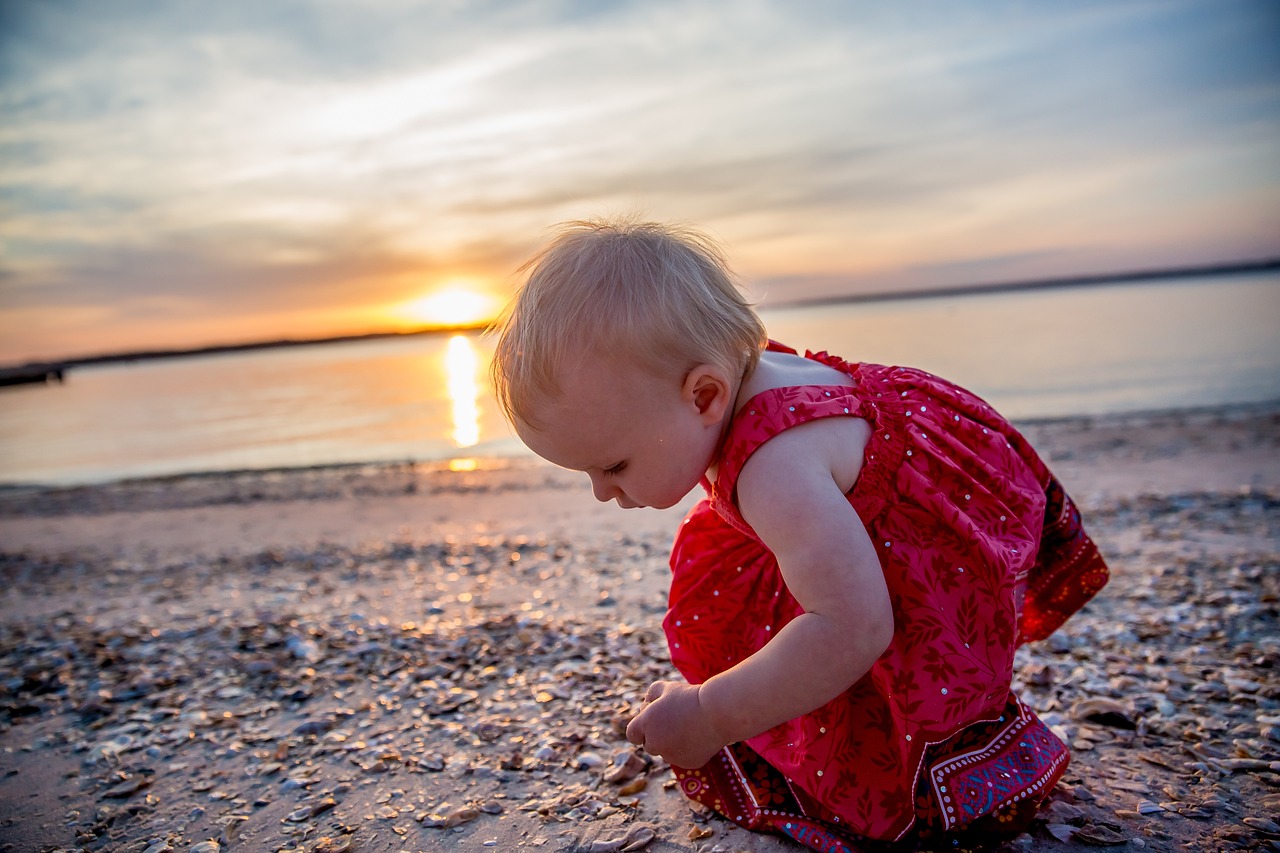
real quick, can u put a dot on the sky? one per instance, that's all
(181, 174)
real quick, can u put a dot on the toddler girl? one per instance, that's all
(846, 601)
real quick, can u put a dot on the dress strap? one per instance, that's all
(776, 410)
(766, 415)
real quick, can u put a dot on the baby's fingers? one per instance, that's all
(655, 690)
(635, 729)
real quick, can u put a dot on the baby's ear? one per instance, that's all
(708, 389)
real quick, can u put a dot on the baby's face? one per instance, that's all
(634, 434)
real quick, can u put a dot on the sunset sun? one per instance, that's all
(453, 306)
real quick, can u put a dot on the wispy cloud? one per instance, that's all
(180, 165)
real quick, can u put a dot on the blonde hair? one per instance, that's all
(660, 294)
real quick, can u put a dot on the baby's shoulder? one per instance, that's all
(784, 370)
(832, 444)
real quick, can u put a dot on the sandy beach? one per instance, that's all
(408, 658)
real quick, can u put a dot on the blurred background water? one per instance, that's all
(1044, 353)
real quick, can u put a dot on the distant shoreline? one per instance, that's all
(62, 365)
(1034, 284)
(41, 368)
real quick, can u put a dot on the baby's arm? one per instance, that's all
(792, 493)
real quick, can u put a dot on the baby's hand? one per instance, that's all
(673, 725)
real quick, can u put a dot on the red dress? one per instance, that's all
(981, 551)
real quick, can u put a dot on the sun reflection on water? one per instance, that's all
(460, 362)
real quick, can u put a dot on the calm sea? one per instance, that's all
(1033, 354)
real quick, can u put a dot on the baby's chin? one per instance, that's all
(668, 504)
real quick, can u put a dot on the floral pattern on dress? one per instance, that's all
(981, 550)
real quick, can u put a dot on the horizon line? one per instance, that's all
(1093, 280)
(219, 349)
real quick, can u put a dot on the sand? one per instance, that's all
(410, 658)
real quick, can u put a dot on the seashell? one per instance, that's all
(638, 838)
(1061, 831)
(1060, 811)
(209, 846)
(231, 829)
(128, 787)
(487, 731)
(109, 751)
(310, 811)
(261, 666)
(1098, 835)
(1241, 685)
(635, 786)
(448, 701)
(626, 766)
(303, 649)
(589, 761)
(1252, 765)
(1107, 712)
(313, 727)
(457, 817)
(1263, 824)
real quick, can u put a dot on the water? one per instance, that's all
(1032, 354)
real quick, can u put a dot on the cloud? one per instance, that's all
(264, 152)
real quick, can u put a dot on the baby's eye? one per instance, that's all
(615, 469)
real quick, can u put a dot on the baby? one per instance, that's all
(846, 601)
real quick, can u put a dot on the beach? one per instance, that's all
(407, 657)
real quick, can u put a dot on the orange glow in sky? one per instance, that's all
(457, 305)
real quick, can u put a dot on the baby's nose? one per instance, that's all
(603, 490)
